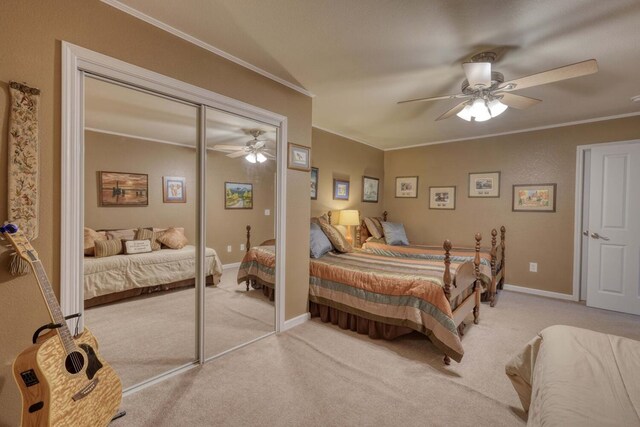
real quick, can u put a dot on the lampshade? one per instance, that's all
(251, 157)
(261, 158)
(349, 217)
(496, 107)
(480, 110)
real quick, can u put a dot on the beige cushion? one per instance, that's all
(152, 236)
(126, 234)
(105, 248)
(173, 239)
(375, 227)
(90, 236)
(336, 238)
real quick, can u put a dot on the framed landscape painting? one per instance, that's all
(370, 189)
(314, 183)
(442, 197)
(238, 195)
(299, 157)
(340, 189)
(534, 198)
(484, 184)
(123, 189)
(407, 186)
(174, 189)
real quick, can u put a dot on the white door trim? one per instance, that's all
(577, 219)
(75, 61)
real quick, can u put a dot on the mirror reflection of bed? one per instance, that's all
(141, 230)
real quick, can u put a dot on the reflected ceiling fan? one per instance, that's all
(487, 95)
(253, 151)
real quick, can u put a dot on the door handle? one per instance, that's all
(597, 236)
(586, 233)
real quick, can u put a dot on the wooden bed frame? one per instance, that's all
(471, 304)
(497, 265)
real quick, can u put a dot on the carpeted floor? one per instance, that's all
(145, 336)
(318, 374)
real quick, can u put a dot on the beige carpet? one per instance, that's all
(149, 335)
(318, 374)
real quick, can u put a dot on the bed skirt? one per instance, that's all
(361, 325)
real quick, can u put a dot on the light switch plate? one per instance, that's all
(267, 212)
(229, 248)
(533, 267)
(242, 246)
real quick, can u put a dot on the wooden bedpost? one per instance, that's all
(329, 216)
(478, 286)
(248, 246)
(446, 279)
(494, 253)
(384, 216)
(503, 232)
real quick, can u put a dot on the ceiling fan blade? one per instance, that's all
(221, 147)
(436, 98)
(269, 155)
(518, 101)
(452, 112)
(579, 69)
(478, 73)
(237, 154)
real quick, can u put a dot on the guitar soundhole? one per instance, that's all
(74, 362)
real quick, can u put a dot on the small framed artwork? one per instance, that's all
(174, 189)
(238, 195)
(370, 189)
(484, 184)
(314, 183)
(442, 197)
(407, 186)
(340, 189)
(123, 189)
(534, 198)
(299, 157)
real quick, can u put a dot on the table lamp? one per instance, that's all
(349, 218)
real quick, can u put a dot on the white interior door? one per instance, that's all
(613, 272)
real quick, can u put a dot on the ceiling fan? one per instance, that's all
(253, 151)
(487, 95)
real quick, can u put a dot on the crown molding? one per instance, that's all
(347, 137)
(178, 33)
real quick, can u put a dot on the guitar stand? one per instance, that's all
(51, 326)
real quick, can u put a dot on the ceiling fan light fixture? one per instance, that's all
(261, 158)
(251, 157)
(465, 113)
(480, 111)
(496, 107)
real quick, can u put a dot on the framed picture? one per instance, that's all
(442, 197)
(238, 195)
(484, 184)
(314, 183)
(299, 157)
(174, 189)
(340, 189)
(407, 186)
(123, 189)
(370, 189)
(534, 198)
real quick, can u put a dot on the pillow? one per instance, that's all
(394, 234)
(374, 227)
(105, 248)
(126, 234)
(131, 247)
(90, 236)
(336, 238)
(173, 239)
(152, 236)
(320, 244)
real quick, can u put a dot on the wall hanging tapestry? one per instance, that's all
(23, 165)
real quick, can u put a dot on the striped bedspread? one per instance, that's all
(397, 291)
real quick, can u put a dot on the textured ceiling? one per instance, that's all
(359, 57)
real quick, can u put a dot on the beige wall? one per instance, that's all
(342, 158)
(546, 156)
(32, 32)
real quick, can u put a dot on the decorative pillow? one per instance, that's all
(105, 248)
(374, 227)
(150, 235)
(320, 244)
(126, 234)
(173, 239)
(131, 247)
(90, 236)
(336, 238)
(394, 234)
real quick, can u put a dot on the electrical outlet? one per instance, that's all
(533, 267)
(229, 248)
(242, 246)
(267, 212)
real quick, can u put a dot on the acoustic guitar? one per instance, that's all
(62, 379)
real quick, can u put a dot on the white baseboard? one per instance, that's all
(539, 292)
(232, 265)
(296, 321)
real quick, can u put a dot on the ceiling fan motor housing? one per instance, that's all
(496, 79)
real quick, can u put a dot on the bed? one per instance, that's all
(385, 296)
(117, 277)
(495, 255)
(569, 376)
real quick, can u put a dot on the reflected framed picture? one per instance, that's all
(238, 195)
(484, 184)
(174, 189)
(314, 183)
(299, 157)
(534, 198)
(407, 186)
(370, 189)
(442, 197)
(123, 189)
(340, 189)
